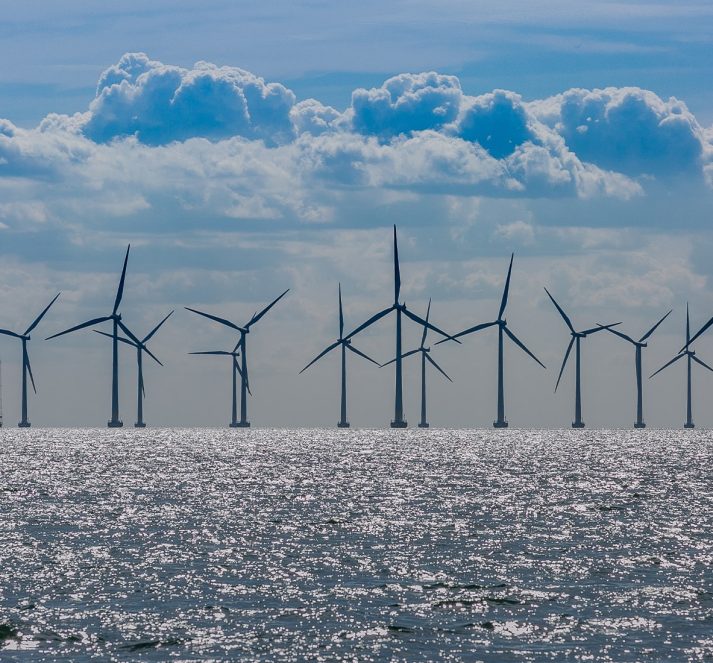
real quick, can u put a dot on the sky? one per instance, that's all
(245, 149)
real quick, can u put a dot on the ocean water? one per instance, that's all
(361, 545)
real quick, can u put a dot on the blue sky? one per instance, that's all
(244, 149)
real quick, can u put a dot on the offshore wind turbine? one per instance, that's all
(140, 349)
(242, 344)
(577, 336)
(26, 368)
(638, 345)
(235, 371)
(425, 356)
(345, 345)
(115, 318)
(690, 355)
(501, 421)
(399, 308)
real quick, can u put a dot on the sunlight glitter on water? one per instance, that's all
(405, 545)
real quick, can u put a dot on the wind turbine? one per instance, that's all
(638, 345)
(26, 368)
(501, 421)
(398, 421)
(345, 345)
(115, 318)
(244, 331)
(576, 338)
(234, 423)
(425, 356)
(140, 349)
(690, 356)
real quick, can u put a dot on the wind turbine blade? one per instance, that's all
(156, 328)
(240, 373)
(255, 318)
(562, 313)
(130, 334)
(521, 345)
(438, 367)
(425, 323)
(397, 270)
(425, 329)
(361, 354)
(121, 339)
(212, 352)
(666, 365)
(470, 330)
(10, 333)
(151, 354)
(41, 315)
(341, 314)
(688, 327)
(329, 348)
(89, 323)
(26, 359)
(222, 321)
(618, 333)
(564, 362)
(403, 356)
(701, 331)
(653, 329)
(504, 301)
(592, 330)
(701, 362)
(369, 322)
(120, 289)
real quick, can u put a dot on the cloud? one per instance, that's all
(406, 103)
(629, 130)
(208, 146)
(161, 103)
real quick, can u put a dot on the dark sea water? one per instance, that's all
(359, 545)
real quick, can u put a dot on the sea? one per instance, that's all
(356, 545)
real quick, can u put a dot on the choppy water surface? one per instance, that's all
(406, 545)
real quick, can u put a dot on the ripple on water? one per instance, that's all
(406, 545)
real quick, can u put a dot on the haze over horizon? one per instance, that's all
(243, 151)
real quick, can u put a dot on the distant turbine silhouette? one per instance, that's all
(398, 421)
(576, 338)
(115, 318)
(638, 345)
(140, 349)
(690, 355)
(501, 421)
(26, 368)
(244, 331)
(235, 371)
(345, 345)
(424, 356)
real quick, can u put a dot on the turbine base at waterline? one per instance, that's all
(343, 424)
(500, 424)
(689, 425)
(639, 424)
(399, 424)
(424, 424)
(114, 423)
(24, 424)
(240, 424)
(139, 424)
(577, 424)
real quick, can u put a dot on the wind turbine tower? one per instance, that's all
(242, 344)
(576, 339)
(398, 420)
(26, 368)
